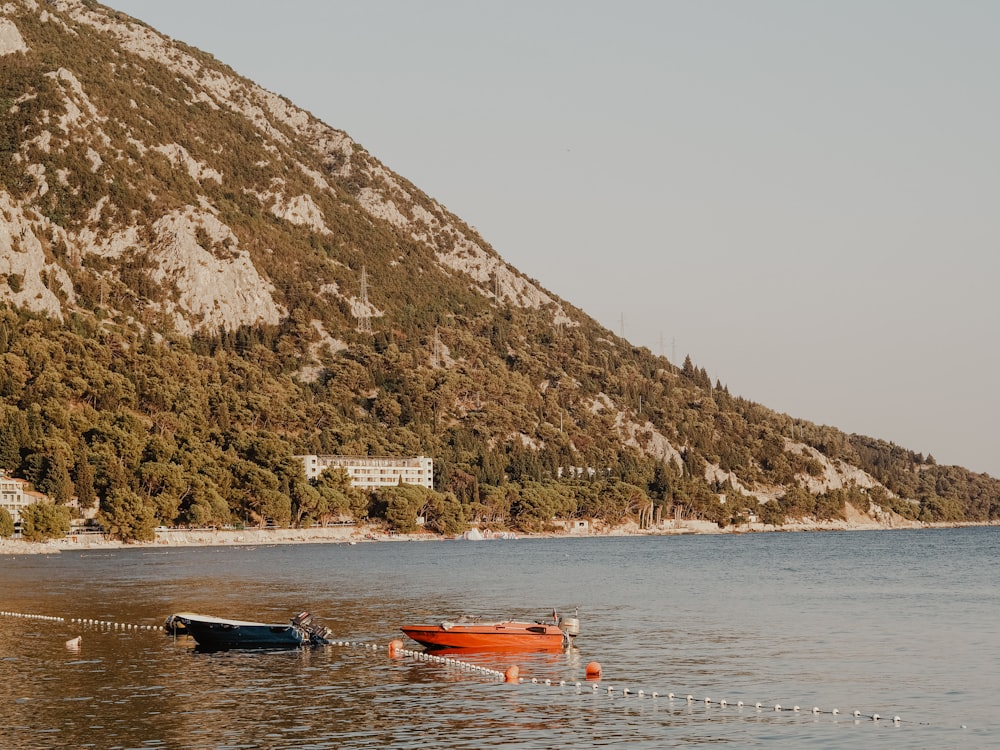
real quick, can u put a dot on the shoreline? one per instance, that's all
(366, 534)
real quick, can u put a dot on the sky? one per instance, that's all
(802, 195)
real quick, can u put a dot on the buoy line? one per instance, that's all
(689, 700)
(396, 650)
(510, 675)
(104, 624)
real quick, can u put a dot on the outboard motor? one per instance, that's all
(318, 634)
(570, 626)
(302, 619)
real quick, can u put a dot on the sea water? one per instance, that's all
(895, 624)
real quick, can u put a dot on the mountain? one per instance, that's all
(201, 281)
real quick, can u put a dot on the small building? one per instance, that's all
(372, 472)
(573, 525)
(16, 494)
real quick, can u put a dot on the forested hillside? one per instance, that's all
(201, 281)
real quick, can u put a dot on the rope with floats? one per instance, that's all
(511, 675)
(103, 624)
(593, 670)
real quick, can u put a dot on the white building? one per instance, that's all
(15, 495)
(372, 472)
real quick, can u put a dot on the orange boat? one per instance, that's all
(508, 635)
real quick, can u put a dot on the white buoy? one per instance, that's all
(815, 709)
(655, 694)
(777, 706)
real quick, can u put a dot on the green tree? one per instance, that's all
(496, 504)
(535, 507)
(402, 505)
(361, 505)
(126, 516)
(797, 503)
(205, 505)
(276, 508)
(86, 497)
(445, 514)
(309, 505)
(6, 523)
(771, 513)
(334, 486)
(13, 434)
(47, 468)
(42, 521)
(165, 486)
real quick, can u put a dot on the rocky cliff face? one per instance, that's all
(300, 167)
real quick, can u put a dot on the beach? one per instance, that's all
(366, 533)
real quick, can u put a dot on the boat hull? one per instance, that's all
(496, 636)
(217, 633)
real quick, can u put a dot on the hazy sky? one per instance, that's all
(803, 195)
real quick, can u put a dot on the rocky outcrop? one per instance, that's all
(29, 277)
(10, 38)
(208, 294)
(218, 283)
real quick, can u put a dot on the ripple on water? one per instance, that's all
(847, 621)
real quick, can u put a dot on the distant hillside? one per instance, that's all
(200, 281)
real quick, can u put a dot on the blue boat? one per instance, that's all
(217, 633)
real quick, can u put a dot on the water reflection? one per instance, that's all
(682, 615)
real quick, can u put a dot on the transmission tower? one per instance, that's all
(436, 350)
(364, 318)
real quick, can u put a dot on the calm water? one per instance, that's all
(895, 623)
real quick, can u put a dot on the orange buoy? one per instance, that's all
(511, 674)
(593, 670)
(394, 647)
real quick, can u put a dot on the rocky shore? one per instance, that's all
(363, 534)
